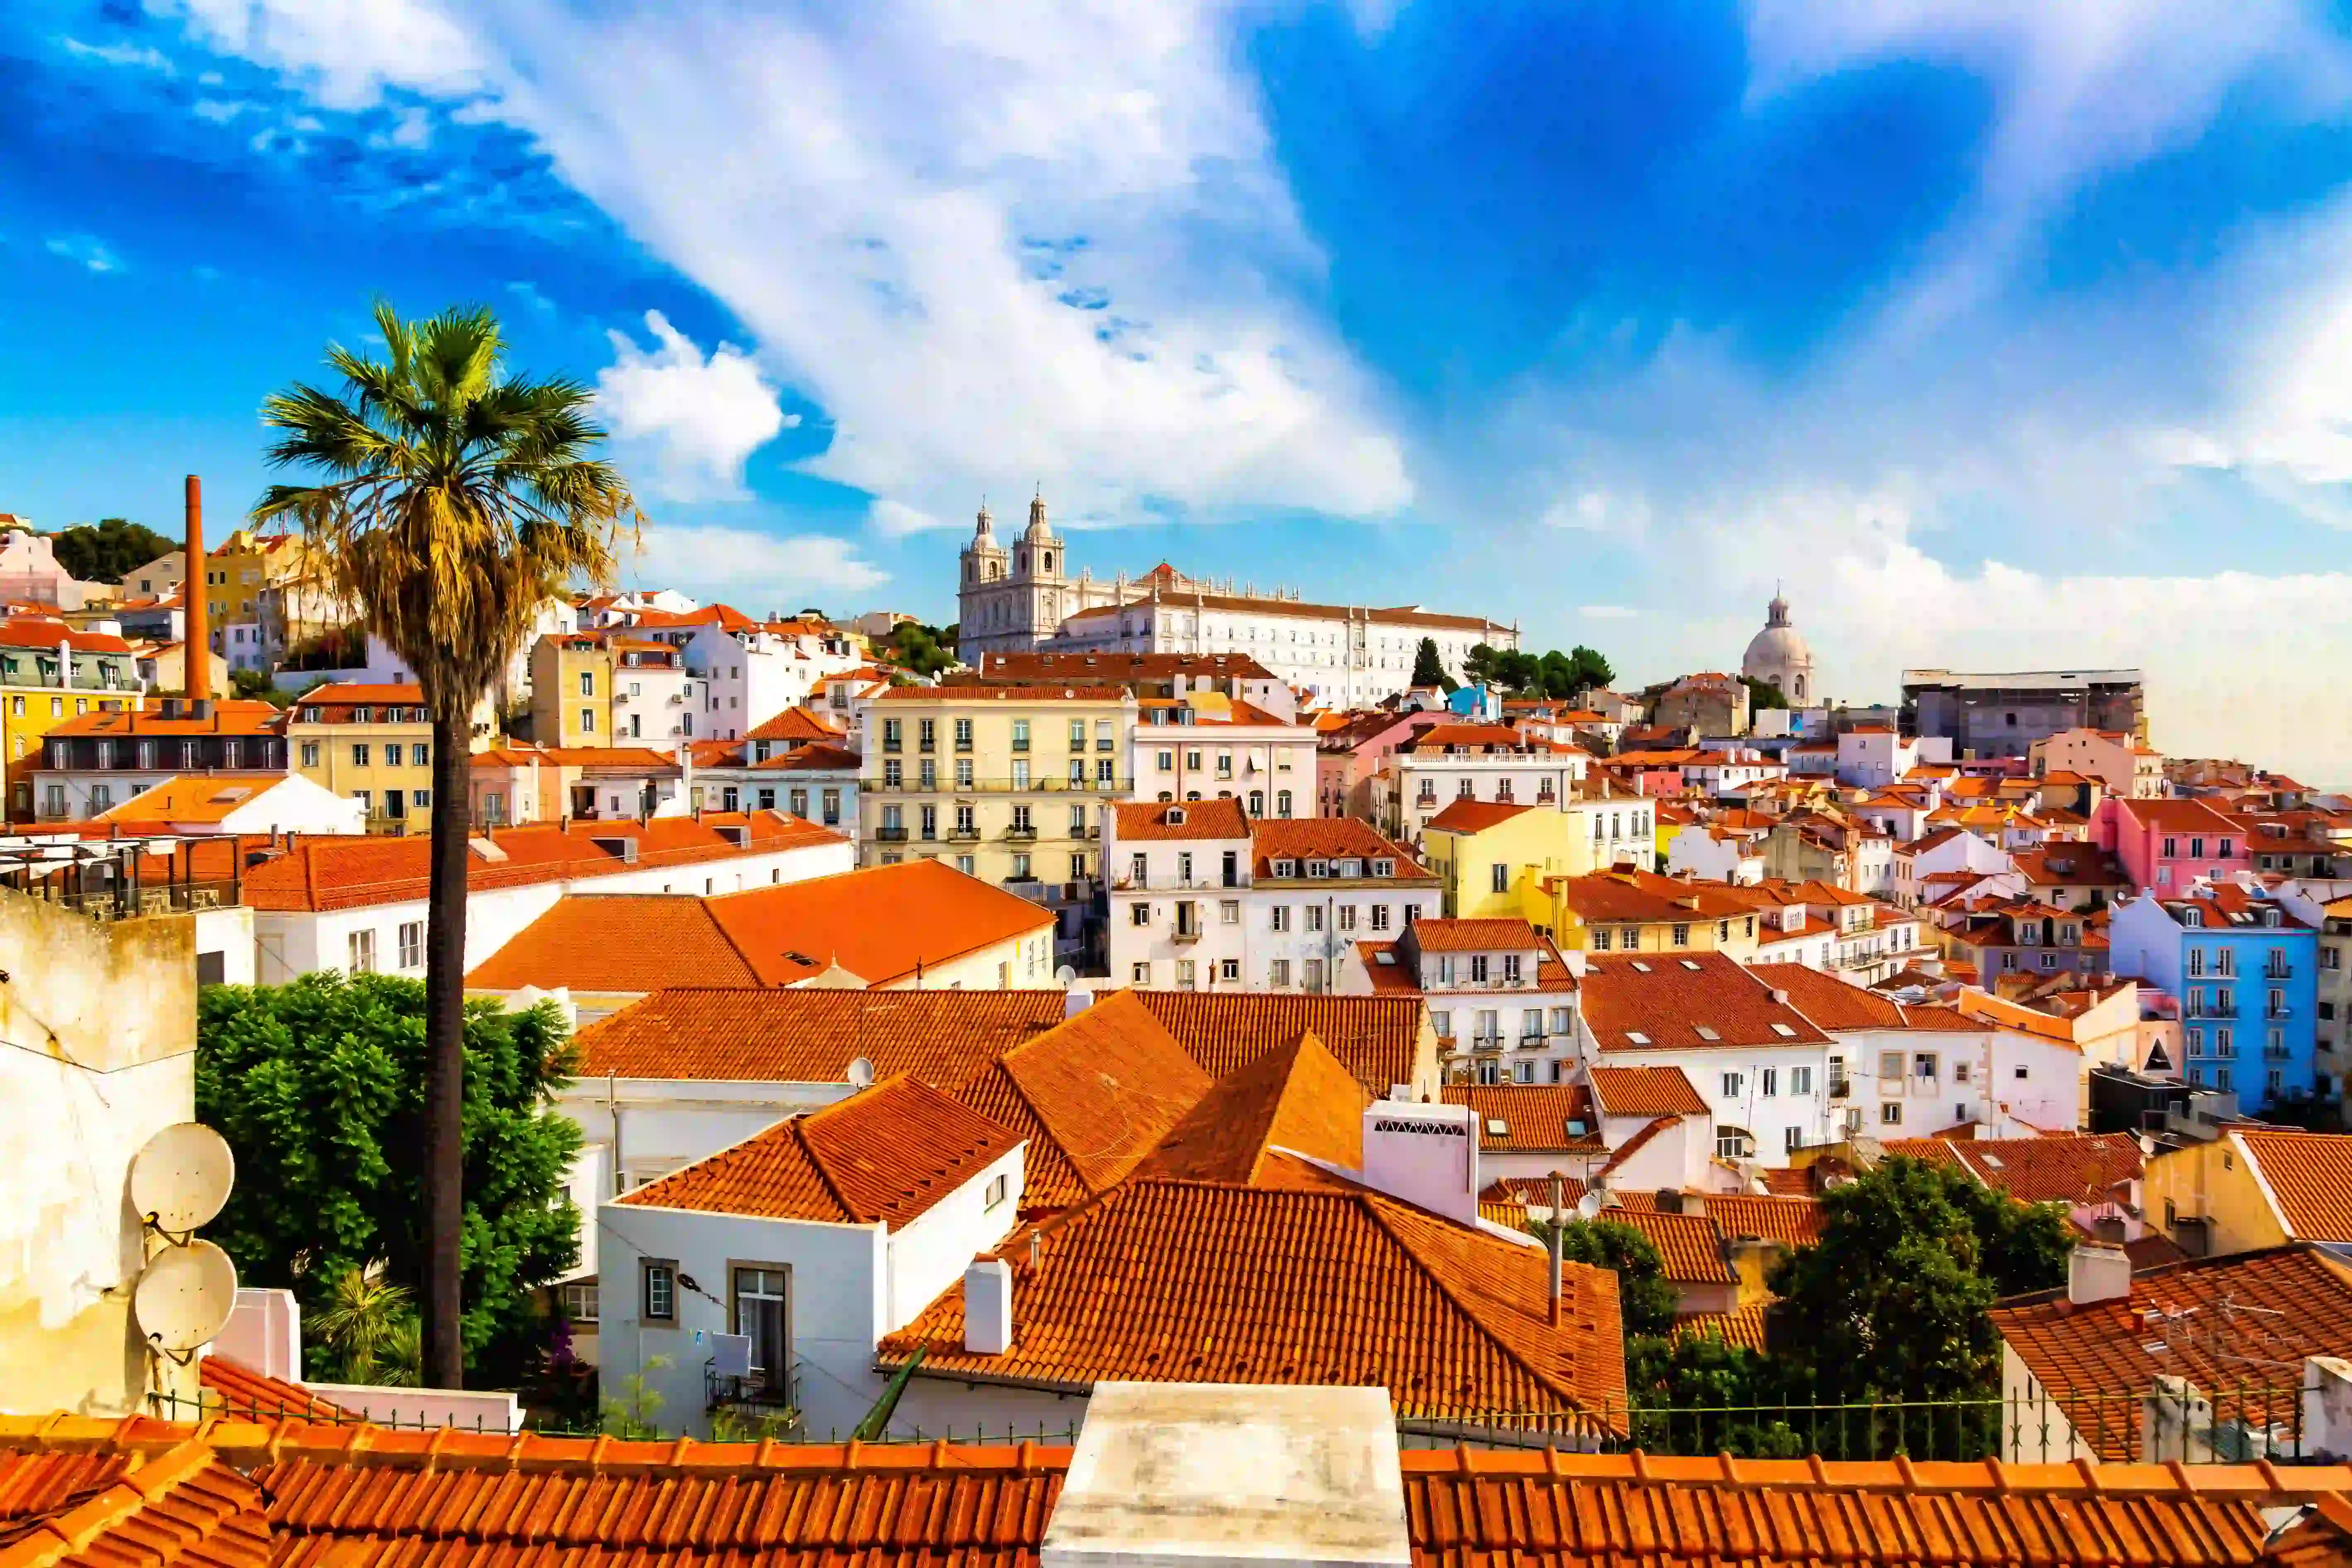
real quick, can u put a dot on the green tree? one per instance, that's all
(1478, 664)
(102, 552)
(1897, 1296)
(1429, 667)
(1592, 671)
(371, 1330)
(1645, 1296)
(1763, 694)
(924, 649)
(449, 501)
(318, 1087)
(256, 685)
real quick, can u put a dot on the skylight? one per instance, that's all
(1640, 967)
(1690, 964)
(1635, 1036)
(1497, 1128)
(1993, 1161)
(1706, 1034)
(1784, 1031)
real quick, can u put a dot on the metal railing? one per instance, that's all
(1044, 783)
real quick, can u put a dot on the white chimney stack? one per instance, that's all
(1426, 1155)
(988, 1306)
(2096, 1273)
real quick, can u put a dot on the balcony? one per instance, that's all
(1018, 833)
(891, 835)
(1188, 934)
(2279, 1014)
(890, 744)
(2279, 972)
(773, 1398)
(1841, 1089)
(2277, 1054)
(963, 836)
(1485, 1042)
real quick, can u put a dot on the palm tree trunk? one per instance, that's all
(445, 1025)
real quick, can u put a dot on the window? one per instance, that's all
(310, 753)
(588, 722)
(1167, 761)
(1800, 1080)
(580, 1303)
(1732, 1143)
(1890, 1114)
(587, 683)
(1229, 968)
(1106, 773)
(964, 735)
(412, 944)
(1731, 1086)
(1380, 917)
(363, 952)
(1346, 917)
(999, 1187)
(1279, 973)
(1477, 969)
(367, 801)
(1020, 735)
(360, 754)
(1229, 913)
(1682, 936)
(1768, 1082)
(1313, 973)
(1282, 803)
(1184, 972)
(1314, 917)
(1140, 974)
(1500, 877)
(1280, 915)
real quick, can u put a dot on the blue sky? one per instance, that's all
(2005, 331)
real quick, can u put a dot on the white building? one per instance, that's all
(1202, 897)
(1945, 851)
(752, 673)
(1872, 756)
(358, 903)
(1021, 598)
(238, 803)
(1447, 762)
(1206, 746)
(1713, 854)
(1501, 998)
(760, 1279)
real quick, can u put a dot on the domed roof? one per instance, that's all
(1773, 650)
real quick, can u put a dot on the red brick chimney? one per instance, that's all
(195, 652)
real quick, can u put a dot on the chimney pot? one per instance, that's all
(2098, 1273)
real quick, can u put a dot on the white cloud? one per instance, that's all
(728, 563)
(693, 418)
(132, 55)
(220, 111)
(1033, 240)
(895, 518)
(85, 250)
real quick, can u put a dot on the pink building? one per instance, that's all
(2166, 845)
(1346, 758)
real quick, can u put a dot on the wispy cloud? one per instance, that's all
(84, 250)
(138, 56)
(728, 563)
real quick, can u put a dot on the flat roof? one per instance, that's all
(2022, 677)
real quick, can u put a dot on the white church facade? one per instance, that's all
(1021, 598)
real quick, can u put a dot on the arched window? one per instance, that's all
(1257, 803)
(1282, 803)
(1166, 796)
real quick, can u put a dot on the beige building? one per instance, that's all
(1008, 783)
(2121, 763)
(374, 744)
(571, 689)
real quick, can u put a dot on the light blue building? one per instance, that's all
(1477, 703)
(2244, 969)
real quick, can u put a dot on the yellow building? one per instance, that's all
(1643, 911)
(571, 689)
(2246, 1190)
(50, 673)
(1493, 857)
(1009, 784)
(373, 745)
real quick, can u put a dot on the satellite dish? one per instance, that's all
(861, 1073)
(183, 1299)
(1065, 974)
(2146, 1144)
(180, 1176)
(1590, 1206)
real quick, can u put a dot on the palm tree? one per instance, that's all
(370, 1328)
(448, 501)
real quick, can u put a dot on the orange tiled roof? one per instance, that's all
(1647, 1091)
(1742, 1328)
(777, 935)
(1148, 820)
(1473, 935)
(1833, 1002)
(354, 693)
(2280, 1305)
(193, 797)
(1304, 839)
(880, 1157)
(236, 1389)
(1690, 1244)
(43, 633)
(762, 1034)
(1667, 998)
(1462, 815)
(2065, 1167)
(1297, 1098)
(1793, 1222)
(333, 871)
(1225, 1284)
(797, 724)
(901, 694)
(1375, 1038)
(1093, 1096)
(2309, 1176)
(228, 717)
(360, 1493)
(127, 1509)
(1529, 1118)
(1609, 897)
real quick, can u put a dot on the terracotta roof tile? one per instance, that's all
(333, 871)
(120, 1509)
(2309, 1176)
(1324, 838)
(1647, 1091)
(228, 717)
(749, 1034)
(1462, 815)
(1529, 1118)
(1742, 1328)
(778, 935)
(883, 1156)
(2212, 1315)
(1691, 1244)
(193, 797)
(1836, 1004)
(1609, 897)
(1668, 998)
(1794, 1221)
(1297, 1099)
(1375, 1038)
(1093, 1096)
(1139, 821)
(2065, 1167)
(1474, 935)
(236, 1389)
(1225, 1284)
(795, 724)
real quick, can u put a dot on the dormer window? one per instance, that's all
(2192, 919)
(1319, 869)
(360, 715)
(1175, 816)
(1285, 867)
(1383, 868)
